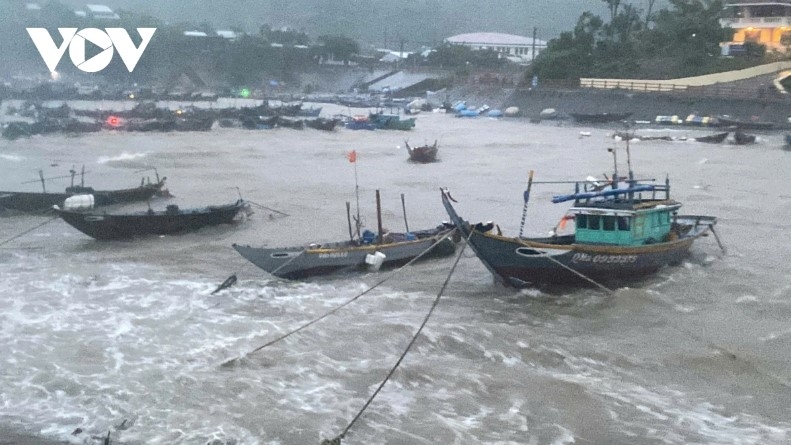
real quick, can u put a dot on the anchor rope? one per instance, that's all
(337, 308)
(29, 230)
(409, 346)
(267, 208)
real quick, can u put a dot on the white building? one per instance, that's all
(101, 12)
(515, 48)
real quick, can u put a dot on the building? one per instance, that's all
(101, 12)
(767, 22)
(515, 48)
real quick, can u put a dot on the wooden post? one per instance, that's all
(349, 219)
(41, 175)
(379, 216)
(403, 207)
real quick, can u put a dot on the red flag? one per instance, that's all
(352, 156)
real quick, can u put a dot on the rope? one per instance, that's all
(288, 262)
(569, 268)
(336, 309)
(267, 208)
(29, 230)
(411, 342)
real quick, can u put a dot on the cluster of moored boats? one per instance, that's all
(147, 117)
(617, 228)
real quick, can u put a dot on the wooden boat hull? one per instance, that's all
(103, 226)
(422, 154)
(32, 201)
(520, 262)
(713, 138)
(304, 262)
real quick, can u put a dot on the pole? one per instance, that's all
(357, 222)
(349, 219)
(403, 207)
(527, 198)
(379, 216)
(82, 176)
(533, 51)
(41, 175)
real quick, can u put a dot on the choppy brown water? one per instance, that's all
(95, 333)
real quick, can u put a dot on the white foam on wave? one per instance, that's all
(119, 158)
(690, 416)
(12, 158)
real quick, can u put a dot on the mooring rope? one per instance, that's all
(569, 268)
(267, 208)
(336, 309)
(337, 440)
(29, 230)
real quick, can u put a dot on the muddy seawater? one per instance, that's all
(127, 337)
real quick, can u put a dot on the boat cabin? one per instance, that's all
(621, 227)
(619, 215)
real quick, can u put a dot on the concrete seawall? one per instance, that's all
(646, 106)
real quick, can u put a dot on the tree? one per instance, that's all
(338, 48)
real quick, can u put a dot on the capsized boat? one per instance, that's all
(622, 229)
(107, 226)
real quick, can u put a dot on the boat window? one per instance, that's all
(593, 222)
(582, 221)
(623, 223)
(608, 223)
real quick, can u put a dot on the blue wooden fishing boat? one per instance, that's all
(622, 229)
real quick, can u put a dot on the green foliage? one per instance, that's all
(338, 48)
(681, 41)
(463, 57)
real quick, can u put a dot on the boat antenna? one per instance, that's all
(82, 176)
(73, 172)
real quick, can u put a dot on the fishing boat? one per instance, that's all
(740, 138)
(108, 226)
(622, 229)
(713, 138)
(370, 252)
(42, 201)
(422, 154)
(728, 121)
(383, 121)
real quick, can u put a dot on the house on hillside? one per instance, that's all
(767, 22)
(515, 48)
(101, 12)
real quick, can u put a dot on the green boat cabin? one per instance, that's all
(644, 223)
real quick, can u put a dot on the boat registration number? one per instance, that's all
(580, 257)
(333, 255)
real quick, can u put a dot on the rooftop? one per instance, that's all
(493, 38)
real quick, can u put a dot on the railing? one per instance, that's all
(725, 91)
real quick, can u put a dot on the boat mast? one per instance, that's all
(357, 221)
(379, 217)
(614, 167)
